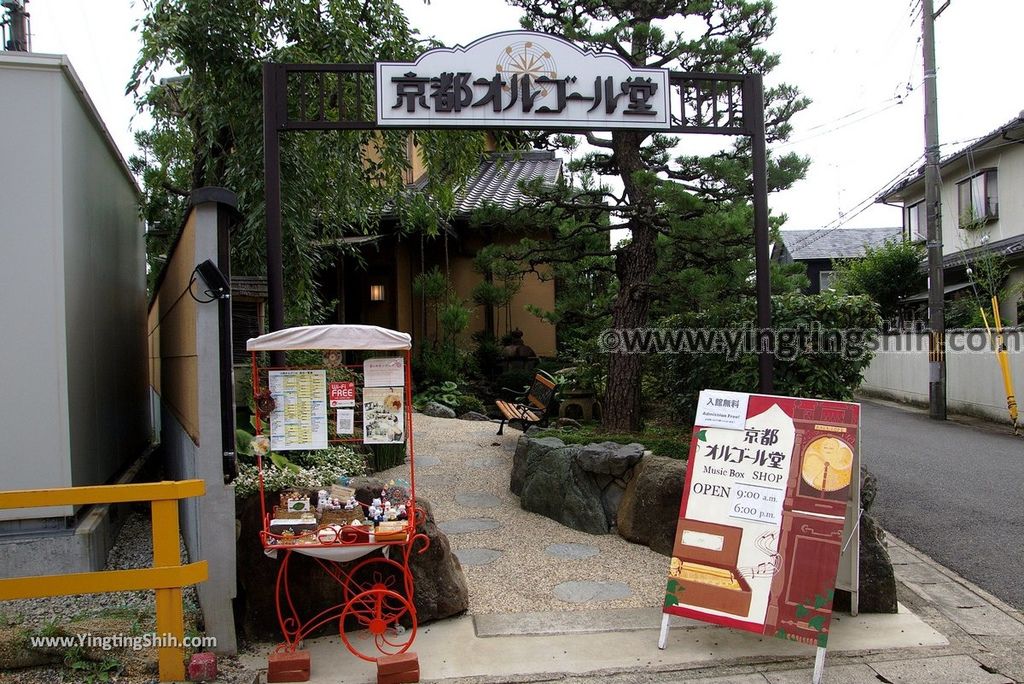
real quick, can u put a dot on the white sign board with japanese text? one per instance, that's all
(522, 79)
(299, 418)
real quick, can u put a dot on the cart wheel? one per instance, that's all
(377, 612)
(375, 573)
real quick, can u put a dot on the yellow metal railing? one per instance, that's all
(167, 576)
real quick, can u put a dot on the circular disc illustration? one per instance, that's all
(828, 464)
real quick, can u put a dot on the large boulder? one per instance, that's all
(437, 410)
(440, 589)
(610, 458)
(877, 579)
(525, 447)
(556, 486)
(649, 510)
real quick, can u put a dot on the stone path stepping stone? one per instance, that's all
(477, 556)
(477, 500)
(589, 592)
(571, 551)
(466, 525)
(427, 461)
(431, 482)
(484, 462)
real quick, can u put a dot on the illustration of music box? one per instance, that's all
(704, 562)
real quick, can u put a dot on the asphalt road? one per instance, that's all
(954, 491)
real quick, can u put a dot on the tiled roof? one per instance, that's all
(498, 178)
(836, 243)
(249, 286)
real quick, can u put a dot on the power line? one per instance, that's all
(853, 212)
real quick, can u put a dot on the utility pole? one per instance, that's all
(17, 20)
(933, 205)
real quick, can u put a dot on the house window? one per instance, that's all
(915, 221)
(978, 198)
(824, 281)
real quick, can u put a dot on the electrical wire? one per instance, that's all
(852, 213)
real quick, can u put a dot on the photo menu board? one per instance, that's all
(760, 528)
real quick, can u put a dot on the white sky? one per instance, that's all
(852, 59)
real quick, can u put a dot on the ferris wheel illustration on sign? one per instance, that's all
(526, 58)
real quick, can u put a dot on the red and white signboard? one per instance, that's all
(342, 394)
(760, 529)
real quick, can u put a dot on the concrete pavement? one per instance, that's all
(948, 630)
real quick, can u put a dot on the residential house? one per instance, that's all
(379, 291)
(982, 211)
(820, 249)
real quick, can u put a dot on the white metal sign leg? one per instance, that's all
(819, 665)
(663, 638)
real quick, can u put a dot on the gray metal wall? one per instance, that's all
(72, 288)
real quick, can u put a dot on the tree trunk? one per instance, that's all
(634, 266)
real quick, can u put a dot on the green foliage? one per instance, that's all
(303, 470)
(515, 379)
(965, 313)
(90, 671)
(243, 445)
(886, 273)
(827, 363)
(442, 357)
(449, 394)
(208, 130)
(688, 216)
(386, 456)
(671, 442)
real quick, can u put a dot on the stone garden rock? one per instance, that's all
(568, 423)
(868, 489)
(877, 579)
(524, 447)
(610, 458)
(649, 510)
(473, 415)
(440, 586)
(436, 410)
(554, 485)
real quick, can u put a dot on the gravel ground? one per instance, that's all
(474, 459)
(128, 612)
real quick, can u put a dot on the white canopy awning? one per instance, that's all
(353, 337)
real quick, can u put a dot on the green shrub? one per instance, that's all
(516, 379)
(386, 456)
(811, 370)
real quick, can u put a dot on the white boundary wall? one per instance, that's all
(974, 384)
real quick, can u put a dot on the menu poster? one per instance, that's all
(760, 527)
(383, 415)
(299, 418)
(384, 372)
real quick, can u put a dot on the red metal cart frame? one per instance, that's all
(377, 591)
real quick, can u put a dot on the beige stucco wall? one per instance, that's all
(172, 336)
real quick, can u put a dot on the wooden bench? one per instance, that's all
(535, 410)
